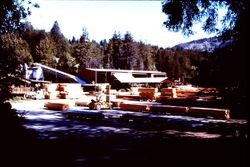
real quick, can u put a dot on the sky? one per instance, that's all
(143, 19)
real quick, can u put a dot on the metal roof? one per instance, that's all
(126, 71)
(129, 78)
(61, 73)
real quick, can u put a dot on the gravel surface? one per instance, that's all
(81, 137)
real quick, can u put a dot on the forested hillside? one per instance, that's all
(224, 67)
(119, 52)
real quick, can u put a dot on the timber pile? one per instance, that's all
(147, 93)
(167, 93)
(214, 112)
(128, 97)
(63, 91)
(69, 90)
(56, 106)
(51, 91)
(128, 106)
(187, 94)
(177, 110)
(85, 99)
(20, 90)
(187, 91)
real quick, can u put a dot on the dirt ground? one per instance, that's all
(47, 138)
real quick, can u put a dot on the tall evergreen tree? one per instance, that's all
(128, 58)
(85, 35)
(11, 14)
(63, 52)
(115, 44)
(182, 15)
(45, 52)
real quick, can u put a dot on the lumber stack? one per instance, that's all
(187, 91)
(213, 112)
(168, 93)
(176, 110)
(147, 93)
(85, 100)
(63, 91)
(56, 106)
(69, 90)
(134, 106)
(50, 91)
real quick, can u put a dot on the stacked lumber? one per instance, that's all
(176, 110)
(128, 97)
(56, 106)
(133, 107)
(214, 112)
(63, 91)
(85, 100)
(116, 103)
(147, 93)
(50, 91)
(187, 91)
(20, 90)
(168, 92)
(70, 90)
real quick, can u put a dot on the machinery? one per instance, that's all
(98, 105)
(102, 100)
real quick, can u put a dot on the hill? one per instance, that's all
(204, 44)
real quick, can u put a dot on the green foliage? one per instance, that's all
(11, 13)
(33, 38)
(85, 35)
(53, 49)
(182, 15)
(14, 52)
(13, 49)
(115, 44)
(146, 56)
(128, 56)
(88, 54)
(45, 52)
(225, 67)
(180, 64)
(62, 46)
(55, 31)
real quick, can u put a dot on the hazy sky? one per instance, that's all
(143, 19)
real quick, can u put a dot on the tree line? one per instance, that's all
(120, 52)
(21, 43)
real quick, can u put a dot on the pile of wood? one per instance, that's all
(50, 91)
(176, 110)
(168, 93)
(20, 91)
(134, 106)
(56, 106)
(187, 91)
(147, 93)
(85, 100)
(63, 91)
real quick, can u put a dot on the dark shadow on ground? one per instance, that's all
(26, 147)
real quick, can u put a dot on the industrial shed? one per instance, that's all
(121, 78)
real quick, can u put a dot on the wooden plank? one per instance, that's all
(212, 112)
(134, 107)
(56, 106)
